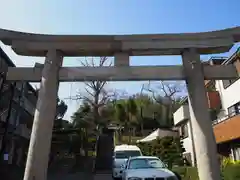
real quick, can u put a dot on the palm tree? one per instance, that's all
(121, 117)
(145, 106)
(82, 118)
(132, 111)
(126, 114)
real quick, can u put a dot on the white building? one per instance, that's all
(224, 106)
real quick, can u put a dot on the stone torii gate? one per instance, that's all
(55, 47)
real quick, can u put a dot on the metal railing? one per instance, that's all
(224, 118)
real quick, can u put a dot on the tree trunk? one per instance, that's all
(119, 135)
(96, 107)
(129, 135)
(141, 128)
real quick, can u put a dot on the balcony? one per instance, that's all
(228, 129)
(23, 131)
(28, 106)
(214, 101)
(181, 114)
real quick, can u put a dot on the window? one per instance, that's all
(227, 83)
(234, 110)
(184, 131)
(126, 154)
(236, 153)
(145, 163)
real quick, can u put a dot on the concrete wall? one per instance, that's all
(229, 96)
(187, 143)
(181, 114)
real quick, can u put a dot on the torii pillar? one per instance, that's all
(40, 142)
(203, 135)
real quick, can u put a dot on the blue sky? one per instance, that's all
(115, 17)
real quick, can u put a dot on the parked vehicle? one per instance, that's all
(146, 168)
(121, 155)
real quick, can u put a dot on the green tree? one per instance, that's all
(60, 141)
(126, 115)
(83, 117)
(167, 95)
(168, 149)
(83, 123)
(61, 109)
(132, 111)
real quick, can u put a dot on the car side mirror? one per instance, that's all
(113, 157)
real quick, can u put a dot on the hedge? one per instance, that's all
(230, 172)
(168, 149)
(187, 173)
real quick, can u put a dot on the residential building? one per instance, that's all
(17, 107)
(224, 106)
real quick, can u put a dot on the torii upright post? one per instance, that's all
(203, 136)
(38, 153)
(129, 45)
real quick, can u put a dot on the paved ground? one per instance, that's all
(80, 176)
(61, 172)
(103, 177)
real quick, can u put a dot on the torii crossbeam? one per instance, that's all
(55, 47)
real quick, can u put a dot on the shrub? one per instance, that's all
(187, 173)
(229, 172)
(168, 149)
(225, 161)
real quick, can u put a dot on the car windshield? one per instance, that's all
(144, 163)
(126, 154)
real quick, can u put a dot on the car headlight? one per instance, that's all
(134, 178)
(172, 178)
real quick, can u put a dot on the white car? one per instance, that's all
(146, 168)
(121, 155)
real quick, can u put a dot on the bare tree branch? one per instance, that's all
(95, 91)
(166, 91)
(149, 89)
